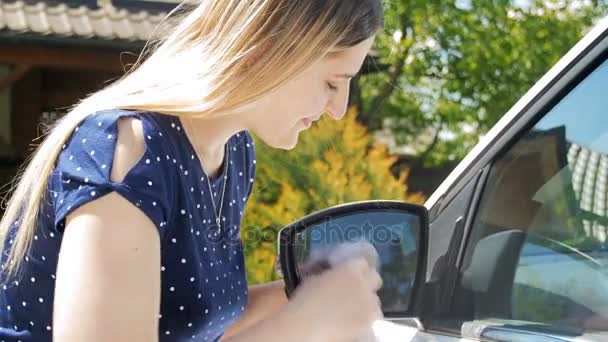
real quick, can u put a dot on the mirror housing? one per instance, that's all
(406, 225)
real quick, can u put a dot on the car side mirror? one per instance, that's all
(398, 231)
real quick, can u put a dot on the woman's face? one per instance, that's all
(323, 88)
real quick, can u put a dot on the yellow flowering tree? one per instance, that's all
(335, 162)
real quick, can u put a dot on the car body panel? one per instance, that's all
(386, 331)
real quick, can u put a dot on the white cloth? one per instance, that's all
(324, 259)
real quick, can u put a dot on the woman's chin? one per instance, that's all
(284, 142)
(288, 143)
(288, 146)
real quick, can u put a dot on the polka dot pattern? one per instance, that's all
(203, 285)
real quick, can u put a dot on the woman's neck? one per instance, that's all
(209, 138)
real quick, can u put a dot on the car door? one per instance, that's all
(519, 234)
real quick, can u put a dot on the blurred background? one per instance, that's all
(440, 75)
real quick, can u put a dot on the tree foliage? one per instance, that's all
(335, 162)
(450, 69)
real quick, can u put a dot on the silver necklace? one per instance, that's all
(217, 215)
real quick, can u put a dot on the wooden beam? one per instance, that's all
(62, 88)
(25, 112)
(65, 58)
(15, 75)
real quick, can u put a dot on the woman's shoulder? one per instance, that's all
(106, 140)
(108, 119)
(101, 129)
(106, 153)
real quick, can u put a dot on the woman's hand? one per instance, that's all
(340, 304)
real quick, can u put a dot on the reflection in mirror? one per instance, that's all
(395, 235)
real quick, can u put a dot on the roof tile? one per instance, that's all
(57, 18)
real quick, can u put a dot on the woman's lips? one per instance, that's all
(309, 121)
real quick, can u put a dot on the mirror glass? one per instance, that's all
(395, 236)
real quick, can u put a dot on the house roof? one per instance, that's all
(590, 183)
(111, 21)
(94, 24)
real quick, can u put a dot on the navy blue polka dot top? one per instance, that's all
(204, 288)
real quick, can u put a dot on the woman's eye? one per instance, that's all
(331, 86)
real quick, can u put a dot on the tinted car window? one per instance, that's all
(537, 258)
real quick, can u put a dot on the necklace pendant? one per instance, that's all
(217, 222)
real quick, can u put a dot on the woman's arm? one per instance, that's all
(264, 301)
(108, 275)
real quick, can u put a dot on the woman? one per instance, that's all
(125, 224)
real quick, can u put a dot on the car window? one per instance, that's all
(537, 257)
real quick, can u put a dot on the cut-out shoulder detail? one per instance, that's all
(113, 152)
(130, 147)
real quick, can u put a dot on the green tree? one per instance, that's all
(448, 70)
(335, 162)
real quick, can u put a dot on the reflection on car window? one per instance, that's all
(538, 254)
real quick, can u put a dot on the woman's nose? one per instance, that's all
(336, 107)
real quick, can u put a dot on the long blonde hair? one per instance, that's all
(216, 56)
